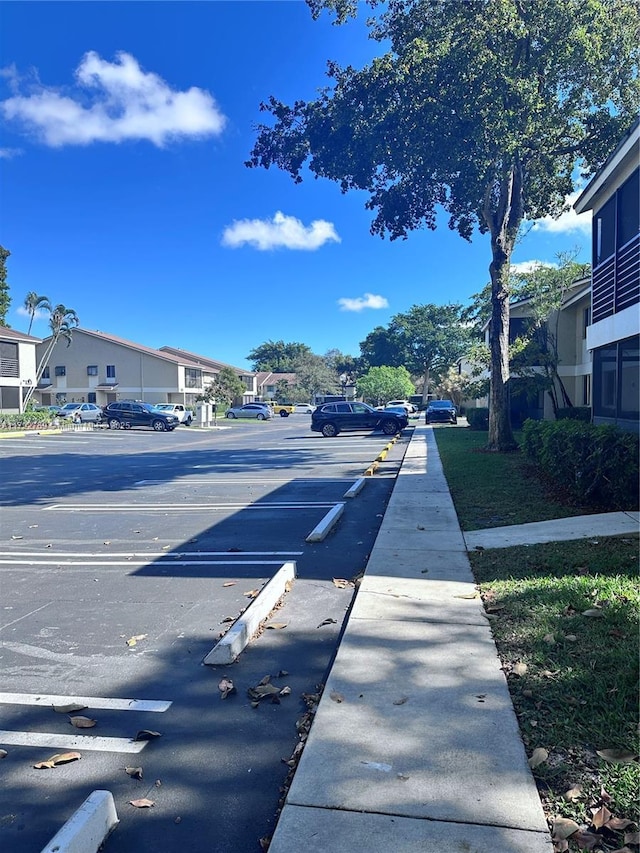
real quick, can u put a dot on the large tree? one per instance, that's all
(381, 384)
(62, 322)
(480, 108)
(423, 339)
(34, 303)
(5, 299)
(226, 388)
(277, 356)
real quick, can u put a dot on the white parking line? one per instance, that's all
(52, 561)
(154, 554)
(49, 739)
(94, 702)
(193, 507)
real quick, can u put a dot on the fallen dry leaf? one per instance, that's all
(263, 691)
(616, 756)
(133, 640)
(3, 753)
(143, 803)
(82, 722)
(520, 668)
(336, 697)
(573, 794)
(328, 622)
(147, 734)
(538, 756)
(226, 688)
(617, 824)
(229, 583)
(401, 700)
(600, 816)
(549, 639)
(59, 758)
(632, 838)
(586, 840)
(68, 709)
(286, 691)
(134, 772)
(277, 625)
(563, 828)
(593, 613)
(341, 583)
(252, 593)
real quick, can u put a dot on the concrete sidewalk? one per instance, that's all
(415, 744)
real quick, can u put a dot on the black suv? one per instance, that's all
(332, 418)
(128, 413)
(441, 411)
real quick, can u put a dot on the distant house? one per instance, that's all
(267, 383)
(211, 368)
(101, 368)
(613, 335)
(17, 368)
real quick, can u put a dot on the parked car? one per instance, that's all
(86, 412)
(401, 410)
(282, 409)
(183, 414)
(55, 410)
(261, 411)
(333, 418)
(407, 405)
(303, 408)
(126, 414)
(441, 411)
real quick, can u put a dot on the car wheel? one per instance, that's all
(390, 427)
(159, 426)
(188, 421)
(260, 416)
(284, 414)
(454, 421)
(230, 415)
(329, 430)
(114, 424)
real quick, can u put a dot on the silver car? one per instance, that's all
(86, 412)
(250, 410)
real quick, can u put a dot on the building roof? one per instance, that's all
(8, 334)
(267, 377)
(203, 360)
(609, 170)
(114, 339)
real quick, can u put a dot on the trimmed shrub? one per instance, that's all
(593, 465)
(478, 419)
(576, 413)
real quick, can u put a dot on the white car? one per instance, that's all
(303, 408)
(407, 405)
(184, 415)
(85, 412)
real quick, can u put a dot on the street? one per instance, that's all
(126, 555)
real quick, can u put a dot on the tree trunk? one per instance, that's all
(500, 433)
(503, 213)
(425, 388)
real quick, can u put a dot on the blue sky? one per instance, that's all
(125, 128)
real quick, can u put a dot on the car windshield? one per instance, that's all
(147, 407)
(163, 406)
(69, 407)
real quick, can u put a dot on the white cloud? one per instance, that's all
(117, 101)
(369, 300)
(8, 153)
(280, 232)
(525, 267)
(568, 222)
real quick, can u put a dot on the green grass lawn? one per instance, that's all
(565, 620)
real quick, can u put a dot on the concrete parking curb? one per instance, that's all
(321, 531)
(238, 636)
(87, 829)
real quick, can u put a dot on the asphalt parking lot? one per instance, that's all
(125, 556)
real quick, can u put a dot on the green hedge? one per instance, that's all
(478, 418)
(576, 413)
(593, 465)
(29, 420)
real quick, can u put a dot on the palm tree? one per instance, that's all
(62, 322)
(34, 303)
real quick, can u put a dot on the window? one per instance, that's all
(629, 373)
(604, 232)
(586, 390)
(60, 370)
(92, 370)
(192, 377)
(586, 321)
(111, 371)
(46, 373)
(91, 397)
(616, 373)
(629, 210)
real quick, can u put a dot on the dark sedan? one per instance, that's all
(333, 418)
(441, 411)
